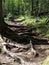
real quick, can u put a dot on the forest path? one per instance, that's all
(27, 32)
(6, 60)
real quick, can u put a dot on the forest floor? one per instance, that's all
(42, 50)
(28, 59)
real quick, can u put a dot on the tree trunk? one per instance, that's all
(2, 23)
(4, 29)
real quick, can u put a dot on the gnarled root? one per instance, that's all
(14, 55)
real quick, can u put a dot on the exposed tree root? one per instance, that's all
(14, 55)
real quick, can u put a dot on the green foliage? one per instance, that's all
(25, 7)
(39, 23)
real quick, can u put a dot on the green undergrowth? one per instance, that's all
(38, 22)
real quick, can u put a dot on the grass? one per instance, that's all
(32, 19)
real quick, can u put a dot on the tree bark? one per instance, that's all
(4, 29)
